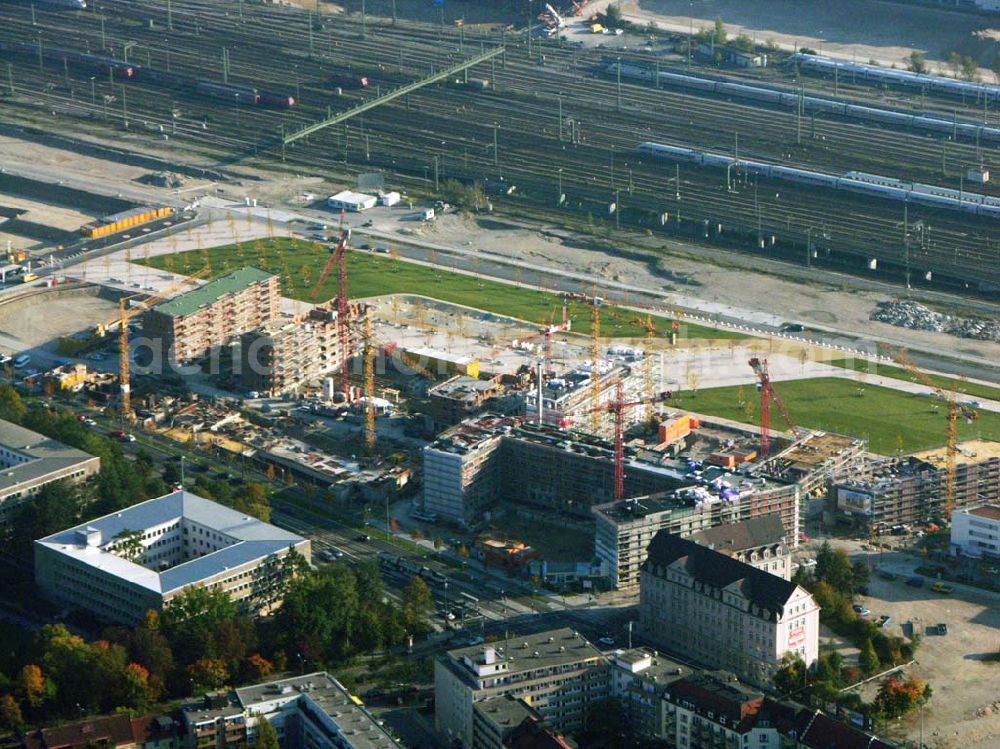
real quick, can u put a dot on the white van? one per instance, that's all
(22, 361)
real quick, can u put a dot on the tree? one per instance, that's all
(918, 63)
(955, 63)
(56, 506)
(743, 43)
(791, 675)
(12, 408)
(970, 69)
(719, 35)
(896, 698)
(258, 667)
(135, 687)
(613, 16)
(267, 737)
(868, 660)
(208, 672)
(862, 576)
(11, 718)
(834, 567)
(31, 684)
(417, 603)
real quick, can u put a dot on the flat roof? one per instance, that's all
(555, 647)
(209, 293)
(43, 456)
(969, 452)
(252, 539)
(990, 512)
(504, 711)
(330, 696)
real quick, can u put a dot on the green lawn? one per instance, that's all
(888, 419)
(299, 264)
(971, 389)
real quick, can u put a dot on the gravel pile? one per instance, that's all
(918, 317)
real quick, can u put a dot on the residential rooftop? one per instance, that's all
(720, 571)
(246, 538)
(553, 648)
(327, 694)
(764, 530)
(209, 293)
(29, 456)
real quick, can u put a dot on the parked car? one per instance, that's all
(942, 629)
(915, 582)
(940, 587)
(883, 620)
(886, 575)
(608, 642)
(363, 538)
(860, 610)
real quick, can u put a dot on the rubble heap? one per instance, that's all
(918, 317)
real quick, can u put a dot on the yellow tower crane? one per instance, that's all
(124, 315)
(954, 409)
(369, 367)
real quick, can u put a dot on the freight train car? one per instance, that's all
(117, 222)
(348, 80)
(116, 68)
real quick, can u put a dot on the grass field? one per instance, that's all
(889, 419)
(299, 264)
(972, 389)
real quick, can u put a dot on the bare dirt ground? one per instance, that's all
(40, 326)
(59, 217)
(725, 287)
(889, 32)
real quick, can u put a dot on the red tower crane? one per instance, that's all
(617, 409)
(767, 394)
(338, 258)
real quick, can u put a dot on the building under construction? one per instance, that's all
(282, 357)
(910, 490)
(192, 324)
(709, 497)
(484, 463)
(569, 399)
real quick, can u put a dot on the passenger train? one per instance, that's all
(790, 99)
(871, 184)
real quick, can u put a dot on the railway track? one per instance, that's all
(459, 132)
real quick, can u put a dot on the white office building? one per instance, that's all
(121, 565)
(29, 461)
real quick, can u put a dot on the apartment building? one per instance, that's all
(108, 732)
(217, 722)
(29, 461)
(713, 709)
(492, 460)
(624, 530)
(722, 612)
(558, 673)
(212, 315)
(760, 542)
(124, 564)
(280, 358)
(462, 397)
(312, 711)
(975, 532)
(909, 490)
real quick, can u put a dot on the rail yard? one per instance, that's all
(433, 339)
(510, 133)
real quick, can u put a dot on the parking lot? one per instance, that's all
(965, 708)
